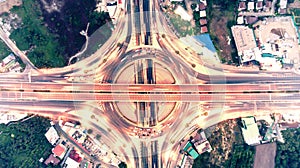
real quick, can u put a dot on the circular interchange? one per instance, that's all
(144, 66)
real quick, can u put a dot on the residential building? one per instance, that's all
(250, 6)
(259, 5)
(203, 22)
(70, 163)
(203, 29)
(242, 6)
(59, 151)
(52, 135)
(52, 159)
(202, 13)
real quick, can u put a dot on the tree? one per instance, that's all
(89, 131)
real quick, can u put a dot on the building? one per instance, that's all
(59, 151)
(240, 20)
(283, 4)
(202, 6)
(250, 6)
(244, 38)
(202, 14)
(250, 131)
(259, 5)
(189, 149)
(203, 147)
(203, 29)
(8, 59)
(52, 135)
(242, 6)
(70, 163)
(52, 159)
(251, 19)
(203, 22)
(5, 118)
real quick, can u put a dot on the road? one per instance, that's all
(146, 68)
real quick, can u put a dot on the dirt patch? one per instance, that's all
(265, 156)
(6, 5)
(220, 33)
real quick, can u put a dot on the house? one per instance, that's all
(240, 20)
(70, 163)
(8, 59)
(268, 4)
(203, 147)
(283, 4)
(259, 5)
(59, 151)
(52, 159)
(203, 22)
(202, 6)
(202, 13)
(204, 29)
(250, 6)
(242, 6)
(52, 135)
(251, 19)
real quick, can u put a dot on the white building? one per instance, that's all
(250, 6)
(52, 135)
(283, 4)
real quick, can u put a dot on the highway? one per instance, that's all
(145, 90)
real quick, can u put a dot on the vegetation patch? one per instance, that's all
(4, 50)
(221, 15)
(51, 37)
(288, 153)
(22, 144)
(229, 149)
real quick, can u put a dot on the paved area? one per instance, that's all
(265, 156)
(280, 30)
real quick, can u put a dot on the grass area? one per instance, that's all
(34, 35)
(4, 50)
(23, 144)
(228, 146)
(183, 27)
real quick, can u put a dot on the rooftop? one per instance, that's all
(243, 37)
(71, 163)
(59, 150)
(203, 21)
(52, 159)
(204, 29)
(250, 131)
(190, 150)
(52, 135)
